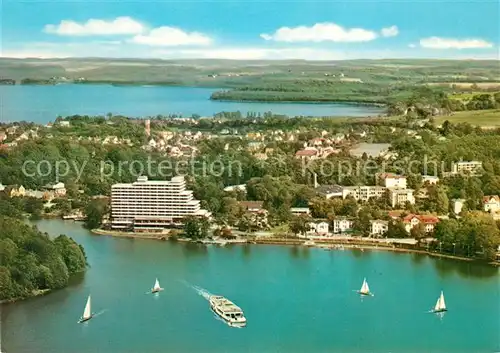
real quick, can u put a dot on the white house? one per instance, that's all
(318, 228)
(378, 227)
(300, 211)
(412, 220)
(430, 179)
(390, 180)
(59, 189)
(239, 187)
(458, 204)
(342, 225)
(491, 203)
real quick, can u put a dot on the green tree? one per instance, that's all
(418, 232)
(196, 228)
(396, 229)
(95, 211)
(299, 224)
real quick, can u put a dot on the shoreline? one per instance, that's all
(35, 293)
(321, 244)
(347, 102)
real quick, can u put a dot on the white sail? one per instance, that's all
(87, 313)
(157, 285)
(440, 304)
(364, 288)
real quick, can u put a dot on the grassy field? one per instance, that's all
(483, 118)
(237, 73)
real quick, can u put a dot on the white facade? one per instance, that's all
(363, 193)
(300, 211)
(152, 204)
(431, 180)
(399, 197)
(491, 203)
(467, 167)
(393, 180)
(342, 225)
(458, 204)
(59, 189)
(320, 228)
(379, 227)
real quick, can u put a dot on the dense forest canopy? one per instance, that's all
(30, 261)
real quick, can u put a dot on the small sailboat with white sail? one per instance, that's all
(87, 313)
(156, 288)
(440, 306)
(365, 290)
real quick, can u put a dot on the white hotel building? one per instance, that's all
(149, 205)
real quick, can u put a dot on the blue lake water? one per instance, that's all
(42, 104)
(295, 299)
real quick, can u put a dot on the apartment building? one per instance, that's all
(390, 180)
(399, 197)
(363, 193)
(467, 167)
(147, 204)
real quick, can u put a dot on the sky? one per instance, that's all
(251, 29)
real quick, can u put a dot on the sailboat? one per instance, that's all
(440, 304)
(87, 313)
(365, 290)
(156, 288)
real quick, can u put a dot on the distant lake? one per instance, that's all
(296, 300)
(42, 104)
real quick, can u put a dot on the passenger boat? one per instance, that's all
(228, 311)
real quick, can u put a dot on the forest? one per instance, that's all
(31, 262)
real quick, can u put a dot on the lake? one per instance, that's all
(42, 104)
(295, 299)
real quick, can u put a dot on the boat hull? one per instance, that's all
(439, 311)
(228, 322)
(85, 319)
(365, 294)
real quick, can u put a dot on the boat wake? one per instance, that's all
(100, 313)
(200, 290)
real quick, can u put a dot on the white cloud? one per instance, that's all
(451, 43)
(95, 27)
(171, 36)
(412, 45)
(391, 31)
(320, 32)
